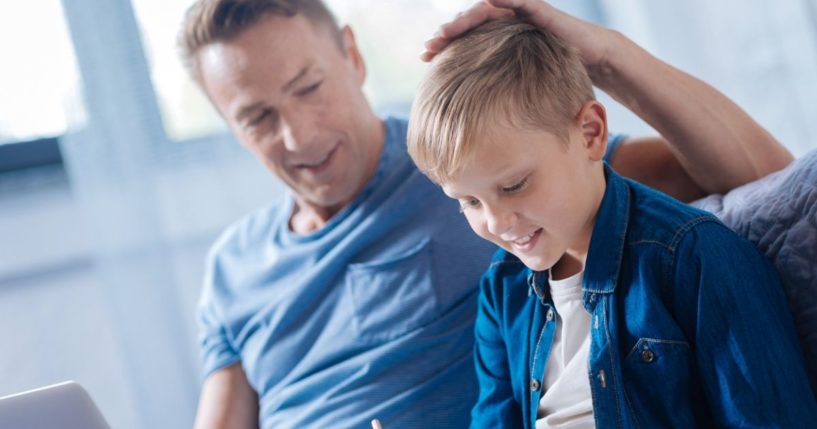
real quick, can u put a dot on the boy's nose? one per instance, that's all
(499, 220)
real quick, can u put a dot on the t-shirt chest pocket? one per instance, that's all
(394, 295)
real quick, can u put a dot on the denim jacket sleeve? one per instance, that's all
(496, 406)
(733, 309)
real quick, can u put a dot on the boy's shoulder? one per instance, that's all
(658, 218)
(505, 272)
(502, 260)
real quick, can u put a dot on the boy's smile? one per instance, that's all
(532, 194)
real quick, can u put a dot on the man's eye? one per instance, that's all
(257, 119)
(310, 89)
(265, 118)
(515, 187)
(468, 204)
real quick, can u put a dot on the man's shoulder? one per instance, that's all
(249, 231)
(396, 129)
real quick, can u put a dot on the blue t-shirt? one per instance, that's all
(369, 317)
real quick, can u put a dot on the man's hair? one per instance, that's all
(211, 21)
(502, 72)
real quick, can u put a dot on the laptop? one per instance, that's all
(65, 405)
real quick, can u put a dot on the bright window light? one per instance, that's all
(39, 83)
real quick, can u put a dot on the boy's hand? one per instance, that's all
(592, 42)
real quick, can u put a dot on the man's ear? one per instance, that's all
(353, 53)
(592, 121)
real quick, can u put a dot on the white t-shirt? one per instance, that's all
(567, 401)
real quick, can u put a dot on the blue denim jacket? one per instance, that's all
(690, 327)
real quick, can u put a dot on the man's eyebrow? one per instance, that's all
(288, 86)
(246, 110)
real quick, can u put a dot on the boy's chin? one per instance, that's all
(535, 263)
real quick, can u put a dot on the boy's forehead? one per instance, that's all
(482, 166)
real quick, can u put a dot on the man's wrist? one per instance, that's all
(620, 66)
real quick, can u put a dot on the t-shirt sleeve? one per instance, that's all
(217, 351)
(613, 143)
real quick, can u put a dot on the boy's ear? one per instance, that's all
(592, 121)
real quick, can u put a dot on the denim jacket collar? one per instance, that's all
(610, 232)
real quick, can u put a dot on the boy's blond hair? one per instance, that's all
(502, 72)
(211, 21)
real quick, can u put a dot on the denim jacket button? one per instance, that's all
(647, 356)
(550, 315)
(534, 385)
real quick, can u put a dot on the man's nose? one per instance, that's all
(297, 133)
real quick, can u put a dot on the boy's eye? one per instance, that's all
(515, 187)
(468, 203)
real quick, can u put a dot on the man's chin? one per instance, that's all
(331, 200)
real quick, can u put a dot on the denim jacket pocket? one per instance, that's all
(392, 296)
(657, 375)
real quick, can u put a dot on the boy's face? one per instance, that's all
(531, 194)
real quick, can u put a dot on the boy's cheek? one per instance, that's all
(482, 231)
(478, 226)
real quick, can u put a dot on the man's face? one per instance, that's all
(292, 95)
(530, 194)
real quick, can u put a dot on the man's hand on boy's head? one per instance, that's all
(477, 14)
(589, 39)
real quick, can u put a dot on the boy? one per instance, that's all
(609, 304)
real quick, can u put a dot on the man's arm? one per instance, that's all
(650, 160)
(227, 401)
(715, 142)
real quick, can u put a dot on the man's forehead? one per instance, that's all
(229, 70)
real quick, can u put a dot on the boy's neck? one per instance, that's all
(568, 266)
(573, 261)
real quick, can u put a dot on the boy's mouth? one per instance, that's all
(526, 242)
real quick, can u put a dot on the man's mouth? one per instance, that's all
(318, 164)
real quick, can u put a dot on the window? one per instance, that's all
(39, 79)
(185, 111)
(39, 83)
(391, 36)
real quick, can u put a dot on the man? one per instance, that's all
(354, 297)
